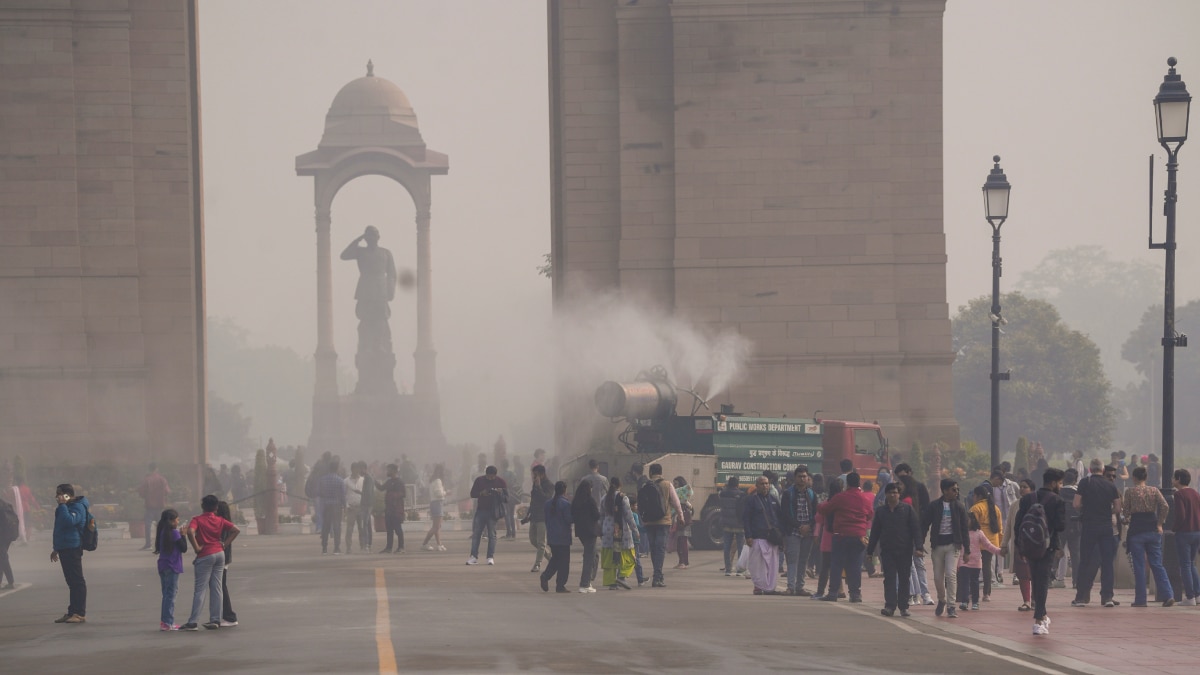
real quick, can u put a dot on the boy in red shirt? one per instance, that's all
(206, 534)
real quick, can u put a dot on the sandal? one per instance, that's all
(1025, 608)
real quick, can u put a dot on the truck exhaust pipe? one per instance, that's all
(642, 400)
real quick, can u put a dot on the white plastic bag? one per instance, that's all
(744, 558)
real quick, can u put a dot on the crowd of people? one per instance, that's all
(802, 527)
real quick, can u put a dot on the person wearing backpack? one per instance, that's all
(657, 500)
(1041, 518)
(70, 517)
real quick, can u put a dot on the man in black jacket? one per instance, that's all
(1056, 522)
(896, 531)
(798, 511)
(733, 535)
(945, 519)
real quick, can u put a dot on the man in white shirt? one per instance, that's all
(354, 486)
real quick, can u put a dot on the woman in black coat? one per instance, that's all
(586, 514)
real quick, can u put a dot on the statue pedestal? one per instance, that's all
(383, 427)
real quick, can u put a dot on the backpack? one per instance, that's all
(10, 525)
(1033, 534)
(650, 502)
(89, 538)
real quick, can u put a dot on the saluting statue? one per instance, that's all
(376, 288)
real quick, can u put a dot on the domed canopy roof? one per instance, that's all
(371, 110)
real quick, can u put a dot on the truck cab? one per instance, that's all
(862, 442)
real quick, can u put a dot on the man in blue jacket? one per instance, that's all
(761, 521)
(69, 518)
(798, 508)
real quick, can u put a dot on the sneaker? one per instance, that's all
(427, 547)
(561, 590)
(441, 548)
(887, 611)
(75, 618)
(729, 574)
(855, 599)
(63, 618)
(987, 598)
(1169, 602)
(641, 583)
(1078, 603)
(1026, 608)
(658, 584)
(336, 552)
(951, 613)
(1110, 603)
(941, 608)
(472, 560)
(490, 561)
(975, 606)
(167, 626)
(1187, 602)
(1040, 629)
(189, 626)
(842, 595)
(228, 624)
(1046, 620)
(585, 589)
(962, 606)
(905, 613)
(828, 598)
(535, 568)
(928, 599)
(623, 584)
(802, 593)
(212, 625)
(545, 583)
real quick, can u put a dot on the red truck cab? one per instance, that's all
(862, 442)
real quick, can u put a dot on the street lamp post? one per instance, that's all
(995, 198)
(1171, 108)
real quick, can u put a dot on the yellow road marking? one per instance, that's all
(383, 627)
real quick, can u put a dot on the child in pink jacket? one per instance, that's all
(970, 566)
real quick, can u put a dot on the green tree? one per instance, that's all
(228, 428)
(1144, 350)
(274, 384)
(1058, 393)
(916, 460)
(1021, 456)
(1097, 295)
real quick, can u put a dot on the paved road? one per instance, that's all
(427, 612)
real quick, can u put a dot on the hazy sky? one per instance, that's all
(1061, 90)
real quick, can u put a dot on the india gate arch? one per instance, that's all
(371, 130)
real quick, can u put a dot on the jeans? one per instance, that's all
(394, 524)
(560, 565)
(591, 559)
(481, 522)
(1097, 550)
(353, 517)
(987, 573)
(896, 567)
(170, 588)
(227, 612)
(1187, 544)
(1073, 533)
(796, 550)
(71, 560)
(5, 565)
(1039, 571)
(209, 570)
(657, 534)
(151, 523)
(968, 584)
(331, 520)
(537, 539)
(366, 528)
(848, 558)
(510, 519)
(1142, 546)
(733, 543)
(945, 572)
(918, 583)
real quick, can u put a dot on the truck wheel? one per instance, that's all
(707, 532)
